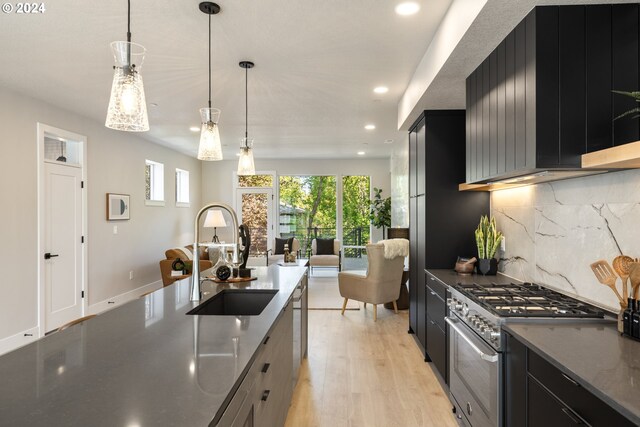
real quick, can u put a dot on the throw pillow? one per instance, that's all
(279, 249)
(324, 247)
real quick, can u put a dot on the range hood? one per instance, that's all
(530, 177)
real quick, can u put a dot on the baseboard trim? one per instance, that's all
(19, 340)
(118, 300)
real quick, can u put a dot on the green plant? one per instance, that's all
(636, 111)
(488, 238)
(380, 213)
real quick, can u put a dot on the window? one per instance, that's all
(255, 181)
(182, 188)
(154, 183)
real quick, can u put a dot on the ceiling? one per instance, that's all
(310, 93)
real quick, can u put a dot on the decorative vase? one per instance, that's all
(488, 267)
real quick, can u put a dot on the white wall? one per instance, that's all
(217, 178)
(115, 164)
(554, 231)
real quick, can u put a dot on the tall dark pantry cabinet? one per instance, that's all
(442, 219)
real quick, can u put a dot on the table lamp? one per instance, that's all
(214, 219)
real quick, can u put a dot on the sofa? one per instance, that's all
(185, 254)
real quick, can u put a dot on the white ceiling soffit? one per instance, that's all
(310, 93)
(470, 31)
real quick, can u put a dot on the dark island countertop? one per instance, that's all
(145, 363)
(594, 355)
(450, 277)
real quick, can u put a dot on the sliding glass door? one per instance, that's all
(356, 225)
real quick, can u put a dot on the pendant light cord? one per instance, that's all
(129, 21)
(209, 61)
(246, 107)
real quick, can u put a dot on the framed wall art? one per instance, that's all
(117, 207)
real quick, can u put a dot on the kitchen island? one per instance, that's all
(146, 363)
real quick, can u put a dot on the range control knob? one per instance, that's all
(455, 305)
(491, 334)
(465, 309)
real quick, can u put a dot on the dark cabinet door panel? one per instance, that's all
(547, 88)
(598, 78)
(437, 347)
(520, 95)
(413, 159)
(468, 131)
(420, 156)
(500, 98)
(493, 113)
(509, 102)
(572, 84)
(625, 69)
(486, 118)
(413, 265)
(420, 264)
(515, 392)
(479, 122)
(547, 411)
(472, 142)
(532, 76)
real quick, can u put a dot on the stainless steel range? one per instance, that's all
(476, 315)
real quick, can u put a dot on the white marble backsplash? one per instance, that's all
(554, 231)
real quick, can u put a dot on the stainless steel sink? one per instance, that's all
(236, 302)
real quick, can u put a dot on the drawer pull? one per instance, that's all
(432, 322)
(432, 279)
(265, 395)
(266, 340)
(569, 413)
(432, 293)
(572, 381)
(265, 367)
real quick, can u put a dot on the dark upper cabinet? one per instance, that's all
(543, 97)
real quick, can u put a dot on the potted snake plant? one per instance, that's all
(488, 240)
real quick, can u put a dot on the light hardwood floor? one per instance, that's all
(361, 373)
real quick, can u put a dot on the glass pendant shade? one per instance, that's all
(210, 148)
(127, 106)
(246, 166)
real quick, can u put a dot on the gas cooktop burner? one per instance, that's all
(527, 300)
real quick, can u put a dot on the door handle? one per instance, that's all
(483, 355)
(50, 255)
(265, 368)
(265, 395)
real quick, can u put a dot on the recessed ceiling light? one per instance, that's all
(360, 153)
(194, 129)
(370, 127)
(407, 8)
(153, 104)
(381, 89)
(388, 141)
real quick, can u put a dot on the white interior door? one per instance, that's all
(255, 208)
(62, 250)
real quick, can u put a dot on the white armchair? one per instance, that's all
(332, 260)
(275, 258)
(379, 286)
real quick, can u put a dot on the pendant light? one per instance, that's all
(127, 106)
(246, 165)
(210, 148)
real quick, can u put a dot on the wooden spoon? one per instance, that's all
(621, 265)
(605, 275)
(634, 276)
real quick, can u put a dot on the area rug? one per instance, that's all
(324, 294)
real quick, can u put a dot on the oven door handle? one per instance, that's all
(484, 356)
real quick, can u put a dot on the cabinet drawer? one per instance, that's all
(547, 411)
(437, 347)
(436, 307)
(580, 400)
(437, 286)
